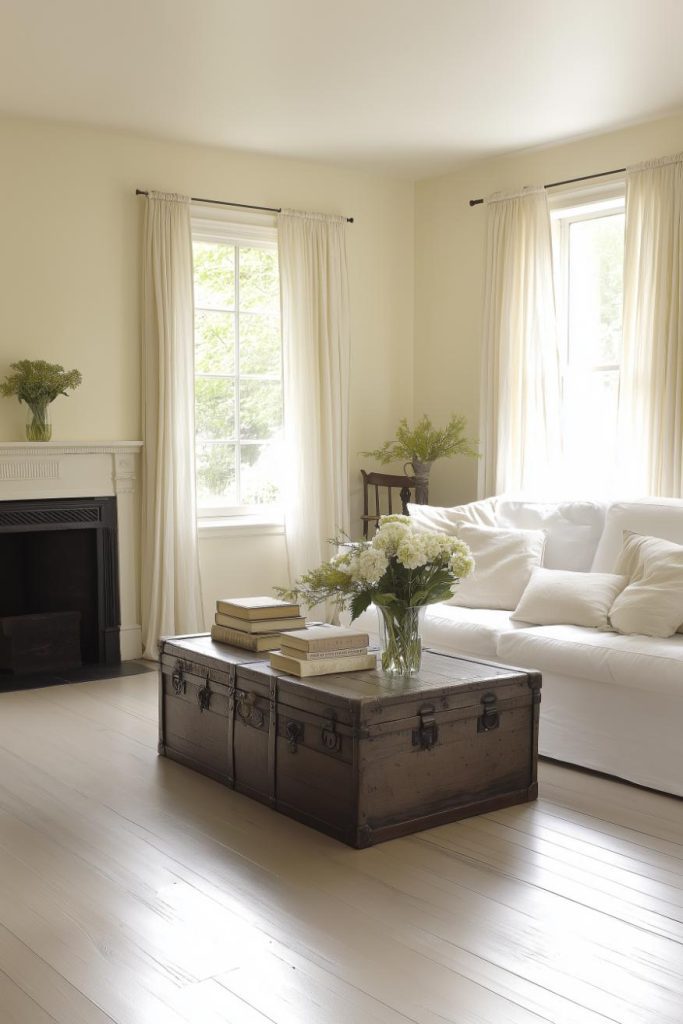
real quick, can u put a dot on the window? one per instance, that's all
(589, 260)
(238, 368)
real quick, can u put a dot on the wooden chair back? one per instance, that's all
(377, 491)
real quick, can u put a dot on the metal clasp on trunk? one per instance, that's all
(427, 733)
(248, 712)
(204, 696)
(490, 719)
(177, 679)
(329, 736)
(294, 732)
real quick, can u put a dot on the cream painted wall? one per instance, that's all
(69, 267)
(449, 246)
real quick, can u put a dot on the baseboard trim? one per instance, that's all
(131, 642)
(606, 775)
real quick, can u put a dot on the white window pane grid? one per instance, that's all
(589, 244)
(238, 377)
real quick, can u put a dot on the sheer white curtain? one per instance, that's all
(651, 395)
(520, 435)
(171, 588)
(315, 327)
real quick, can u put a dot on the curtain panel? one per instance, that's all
(520, 435)
(651, 394)
(315, 326)
(171, 587)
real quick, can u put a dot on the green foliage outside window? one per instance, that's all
(238, 365)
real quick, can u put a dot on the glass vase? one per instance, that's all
(399, 639)
(38, 423)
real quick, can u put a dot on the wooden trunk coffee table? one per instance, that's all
(361, 756)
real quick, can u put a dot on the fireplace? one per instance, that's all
(74, 471)
(61, 555)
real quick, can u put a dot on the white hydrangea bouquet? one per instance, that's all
(401, 570)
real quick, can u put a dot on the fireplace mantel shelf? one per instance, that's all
(24, 448)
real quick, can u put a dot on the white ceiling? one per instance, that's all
(414, 87)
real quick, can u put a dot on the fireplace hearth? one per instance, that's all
(61, 555)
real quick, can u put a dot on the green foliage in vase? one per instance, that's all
(400, 568)
(38, 383)
(426, 442)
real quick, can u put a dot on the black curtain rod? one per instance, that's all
(242, 206)
(569, 181)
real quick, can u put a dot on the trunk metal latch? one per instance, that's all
(294, 733)
(204, 696)
(329, 736)
(490, 718)
(427, 732)
(178, 680)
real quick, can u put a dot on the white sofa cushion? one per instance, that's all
(473, 631)
(558, 596)
(573, 528)
(642, 662)
(650, 517)
(447, 520)
(504, 560)
(652, 603)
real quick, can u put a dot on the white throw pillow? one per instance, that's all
(557, 597)
(573, 528)
(504, 561)
(447, 520)
(652, 604)
(649, 517)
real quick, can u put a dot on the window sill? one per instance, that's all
(231, 526)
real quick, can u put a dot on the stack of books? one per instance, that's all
(255, 623)
(323, 650)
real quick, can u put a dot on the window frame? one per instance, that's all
(569, 206)
(255, 230)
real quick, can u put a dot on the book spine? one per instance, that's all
(260, 627)
(259, 614)
(326, 666)
(249, 641)
(348, 652)
(330, 648)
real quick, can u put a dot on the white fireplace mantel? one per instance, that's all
(86, 469)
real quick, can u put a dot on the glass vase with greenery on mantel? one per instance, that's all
(37, 384)
(420, 446)
(401, 571)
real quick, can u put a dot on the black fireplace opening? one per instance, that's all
(59, 556)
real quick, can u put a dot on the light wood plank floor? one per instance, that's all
(133, 890)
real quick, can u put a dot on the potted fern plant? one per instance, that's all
(420, 446)
(37, 384)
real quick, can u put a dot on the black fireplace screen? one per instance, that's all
(61, 555)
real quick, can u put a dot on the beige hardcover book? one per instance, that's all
(256, 608)
(323, 666)
(294, 652)
(326, 638)
(248, 641)
(261, 625)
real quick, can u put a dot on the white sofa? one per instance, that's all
(610, 703)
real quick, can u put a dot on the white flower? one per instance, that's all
(437, 545)
(390, 535)
(411, 550)
(342, 562)
(461, 563)
(395, 518)
(372, 564)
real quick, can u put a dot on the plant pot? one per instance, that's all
(400, 638)
(38, 422)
